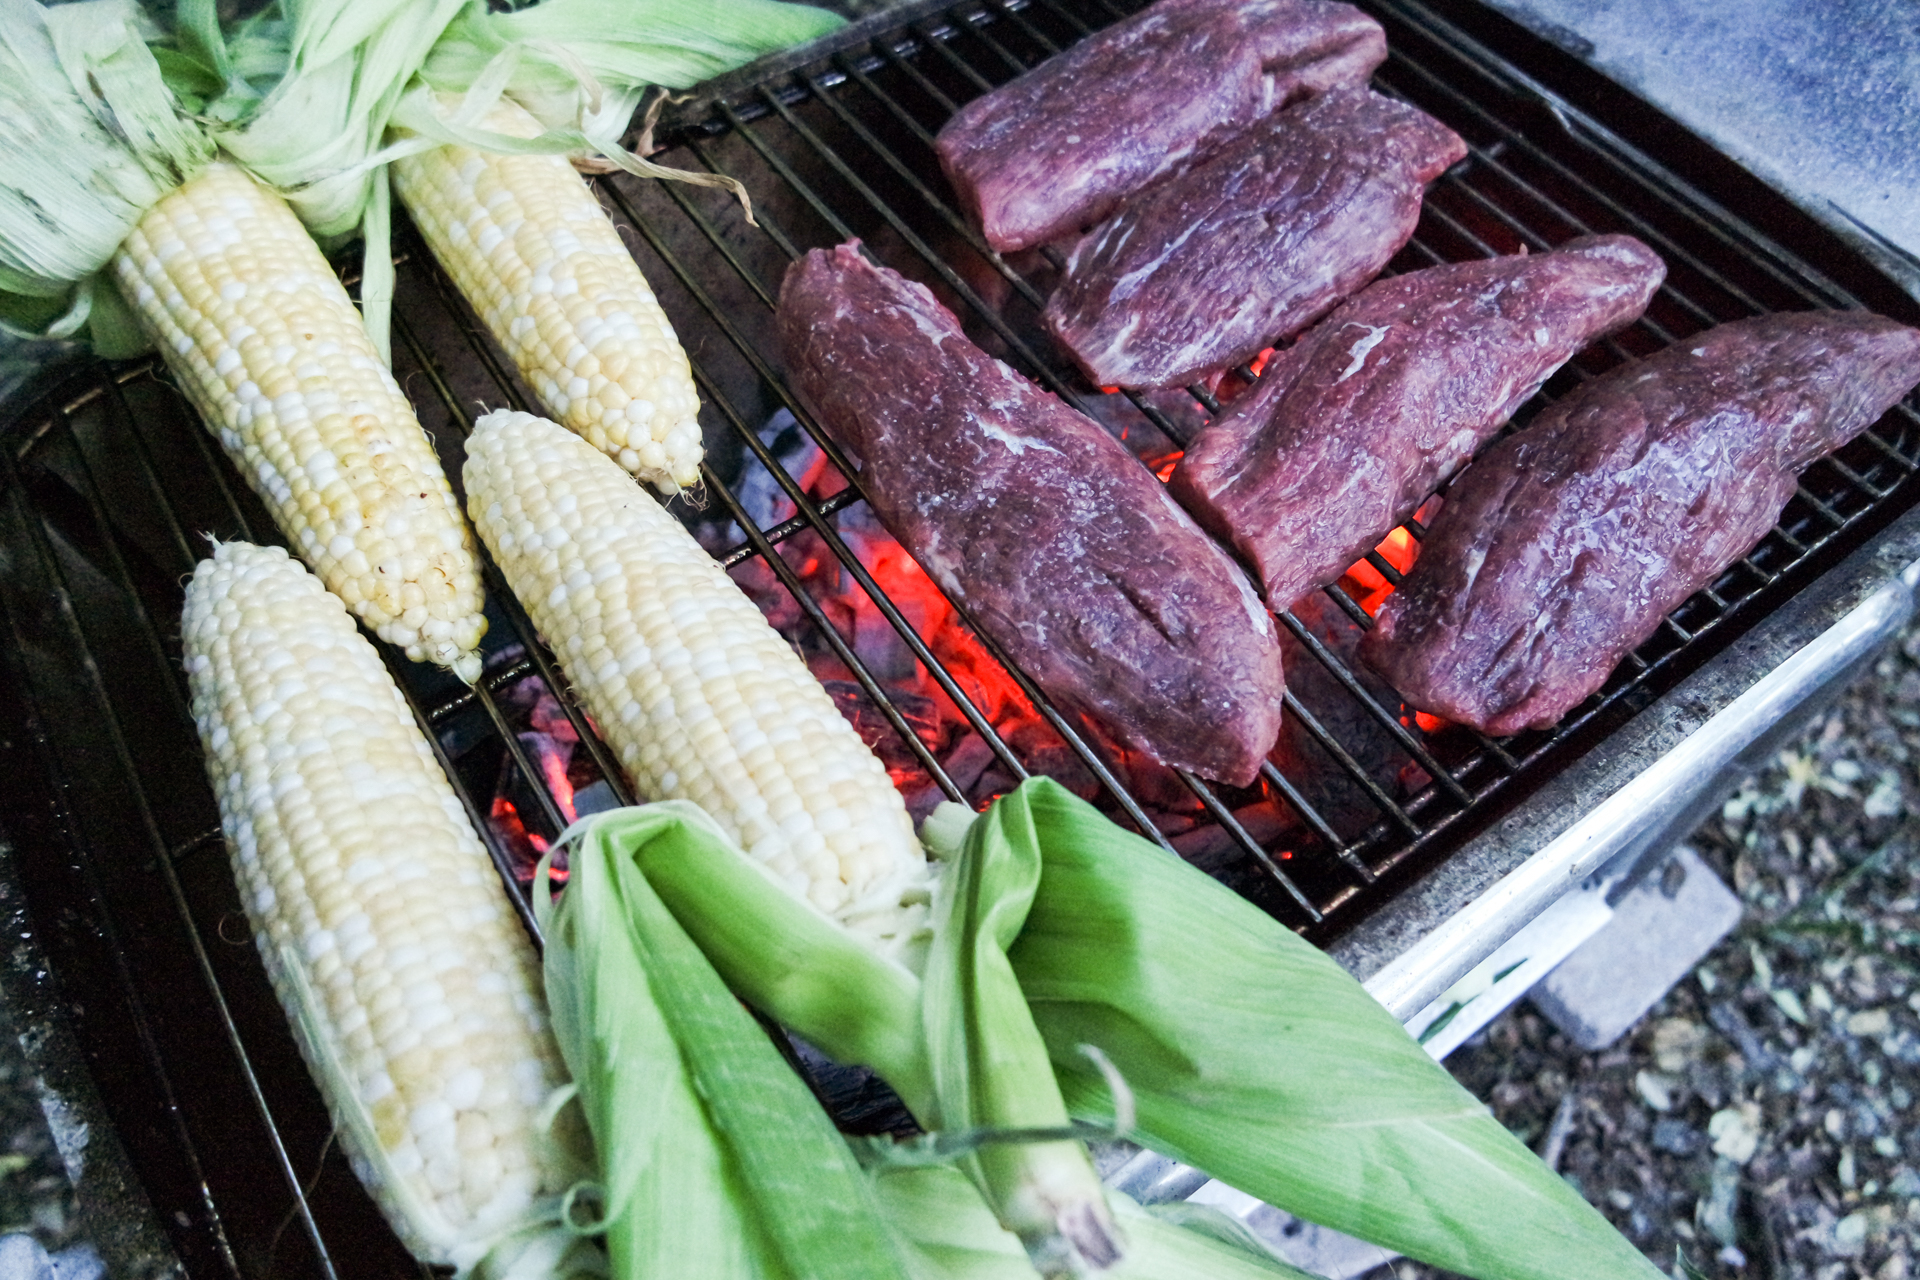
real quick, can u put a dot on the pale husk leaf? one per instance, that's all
(92, 142)
(952, 1235)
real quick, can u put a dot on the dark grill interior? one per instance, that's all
(109, 485)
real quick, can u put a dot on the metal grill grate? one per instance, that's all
(107, 484)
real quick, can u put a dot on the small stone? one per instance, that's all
(1735, 1133)
(1655, 1090)
(1676, 1137)
(1715, 1210)
(1884, 801)
(21, 1255)
(1677, 1042)
(1869, 1022)
(1849, 1237)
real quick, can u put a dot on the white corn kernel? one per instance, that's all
(699, 697)
(379, 918)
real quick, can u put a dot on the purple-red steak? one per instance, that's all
(1055, 540)
(1205, 270)
(1060, 147)
(1353, 426)
(1561, 549)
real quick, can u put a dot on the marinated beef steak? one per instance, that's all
(1203, 271)
(1351, 428)
(1060, 147)
(1561, 548)
(1062, 547)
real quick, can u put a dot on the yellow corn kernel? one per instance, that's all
(524, 239)
(266, 344)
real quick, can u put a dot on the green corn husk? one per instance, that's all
(584, 63)
(716, 1160)
(1253, 1056)
(990, 1065)
(958, 1045)
(315, 97)
(791, 960)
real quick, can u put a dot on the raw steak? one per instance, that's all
(1561, 548)
(1203, 271)
(1060, 147)
(1352, 428)
(1063, 548)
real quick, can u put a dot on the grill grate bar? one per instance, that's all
(938, 46)
(517, 618)
(897, 61)
(1014, 16)
(109, 721)
(980, 27)
(1386, 718)
(503, 864)
(1340, 755)
(1042, 369)
(953, 221)
(1663, 244)
(1348, 605)
(1278, 781)
(1231, 825)
(776, 534)
(1072, 20)
(842, 650)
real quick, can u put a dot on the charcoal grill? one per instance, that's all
(109, 485)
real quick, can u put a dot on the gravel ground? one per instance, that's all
(1760, 1121)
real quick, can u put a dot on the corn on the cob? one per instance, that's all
(413, 989)
(266, 344)
(527, 243)
(699, 696)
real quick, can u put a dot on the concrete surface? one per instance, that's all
(1821, 100)
(1658, 933)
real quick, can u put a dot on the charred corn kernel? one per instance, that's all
(413, 990)
(701, 699)
(264, 341)
(529, 246)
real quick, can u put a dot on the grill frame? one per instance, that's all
(90, 603)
